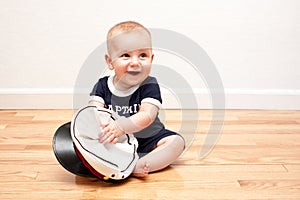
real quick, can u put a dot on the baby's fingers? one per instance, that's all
(108, 138)
(115, 140)
(100, 134)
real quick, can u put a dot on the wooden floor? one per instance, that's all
(256, 157)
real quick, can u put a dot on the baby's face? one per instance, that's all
(130, 56)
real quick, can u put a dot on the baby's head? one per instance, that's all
(131, 34)
(130, 55)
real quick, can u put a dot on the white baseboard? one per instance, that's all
(28, 98)
(36, 98)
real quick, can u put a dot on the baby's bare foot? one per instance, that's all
(141, 170)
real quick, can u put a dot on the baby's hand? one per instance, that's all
(110, 132)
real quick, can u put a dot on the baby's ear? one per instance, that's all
(108, 61)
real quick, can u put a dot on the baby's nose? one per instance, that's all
(134, 61)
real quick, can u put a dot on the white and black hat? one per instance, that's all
(77, 148)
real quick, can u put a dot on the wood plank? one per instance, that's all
(257, 156)
(270, 184)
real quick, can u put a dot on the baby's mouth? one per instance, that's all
(134, 73)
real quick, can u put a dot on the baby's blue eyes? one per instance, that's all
(143, 55)
(126, 55)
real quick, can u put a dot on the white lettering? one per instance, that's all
(135, 108)
(125, 109)
(129, 109)
(118, 108)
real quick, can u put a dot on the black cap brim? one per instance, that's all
(65, 152)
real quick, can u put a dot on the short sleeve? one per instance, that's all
(98, 92)
(150, 92)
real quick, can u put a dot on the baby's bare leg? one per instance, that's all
(167, 151)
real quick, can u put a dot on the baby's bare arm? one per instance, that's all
(142, 119)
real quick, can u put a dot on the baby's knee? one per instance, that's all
(177, 141)
(180, 140)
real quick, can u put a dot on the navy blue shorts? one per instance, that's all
(148, 144)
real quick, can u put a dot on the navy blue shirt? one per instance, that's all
(127, 103)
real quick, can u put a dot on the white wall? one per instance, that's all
(255, 46)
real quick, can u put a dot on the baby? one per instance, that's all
(135, 96)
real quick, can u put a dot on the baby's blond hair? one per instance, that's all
(125, 27)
